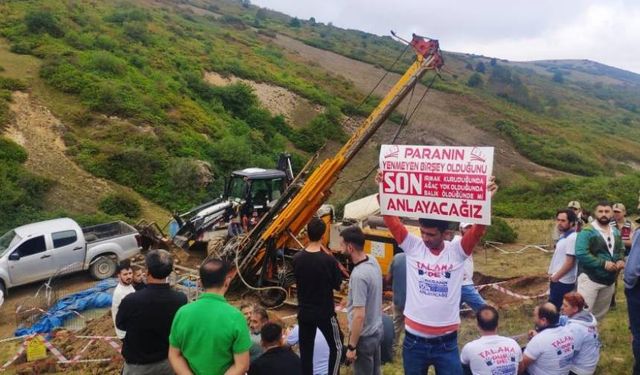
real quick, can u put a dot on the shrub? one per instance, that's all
(295, 22)
(22, 195)
(105, 62)
(12, 84)
(43, 21)
(11, 151)
(558, 77)
(500, 231)
(121, 204)
(480, 68)
(475, 80)
(22, 48)
(237, 98)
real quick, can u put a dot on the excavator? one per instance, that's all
(261, 258)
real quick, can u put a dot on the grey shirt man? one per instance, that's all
(365, 290)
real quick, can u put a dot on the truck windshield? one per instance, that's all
(8, 240)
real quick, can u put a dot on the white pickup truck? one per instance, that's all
(40, 250)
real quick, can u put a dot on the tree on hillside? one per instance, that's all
(480, 68)
(245, 3)
(469, 66)
(312, 21)
(493, 62)
(295, 22)
(500, 74)
(42, 21)
(475, 80)
(261, 14)
(558, 77)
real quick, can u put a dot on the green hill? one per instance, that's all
(126, 79)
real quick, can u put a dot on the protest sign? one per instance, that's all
(437, 182)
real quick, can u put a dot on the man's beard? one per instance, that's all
(604, 220)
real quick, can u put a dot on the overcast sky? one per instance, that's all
(606, 31)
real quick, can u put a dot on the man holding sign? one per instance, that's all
(435, 267)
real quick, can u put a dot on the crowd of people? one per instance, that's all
(431, 278)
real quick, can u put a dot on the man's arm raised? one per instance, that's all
(393, 223)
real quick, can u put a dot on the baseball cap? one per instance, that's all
(574, 204)
(464, 225)
(619, 207)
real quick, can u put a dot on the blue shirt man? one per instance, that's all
(632, 291)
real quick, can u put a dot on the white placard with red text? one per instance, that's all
(437, 182)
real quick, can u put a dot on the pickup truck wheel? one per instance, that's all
(103, 268)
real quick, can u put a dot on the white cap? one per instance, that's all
(464, 225)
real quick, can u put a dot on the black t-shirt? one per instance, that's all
(277, 361)
(146, 316)
(317, 275)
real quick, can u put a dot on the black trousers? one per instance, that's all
(331, 331)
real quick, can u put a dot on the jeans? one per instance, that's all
(557, 292)
(472, 298)
(442, 352)
(368, 354)
(633, 304)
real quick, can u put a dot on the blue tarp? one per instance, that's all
(92, 298)
(188, 283)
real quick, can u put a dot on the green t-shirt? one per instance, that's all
(209, 332)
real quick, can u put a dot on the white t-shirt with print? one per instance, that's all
(552, 352)
(565, 246)
(491, 355)
(119, 293)
(587, 346)
(434, 282)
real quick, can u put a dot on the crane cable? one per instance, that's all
(405, 121)
(386, 72)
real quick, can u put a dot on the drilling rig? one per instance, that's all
(261, 257)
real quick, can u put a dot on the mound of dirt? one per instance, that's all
(480, 279)
(70, 346)
(529, 286)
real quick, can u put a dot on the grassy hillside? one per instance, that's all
(575, 116)
(126, 78)
(137, 71)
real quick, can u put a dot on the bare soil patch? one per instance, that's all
(76, 190)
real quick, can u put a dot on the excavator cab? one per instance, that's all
(256, 187)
